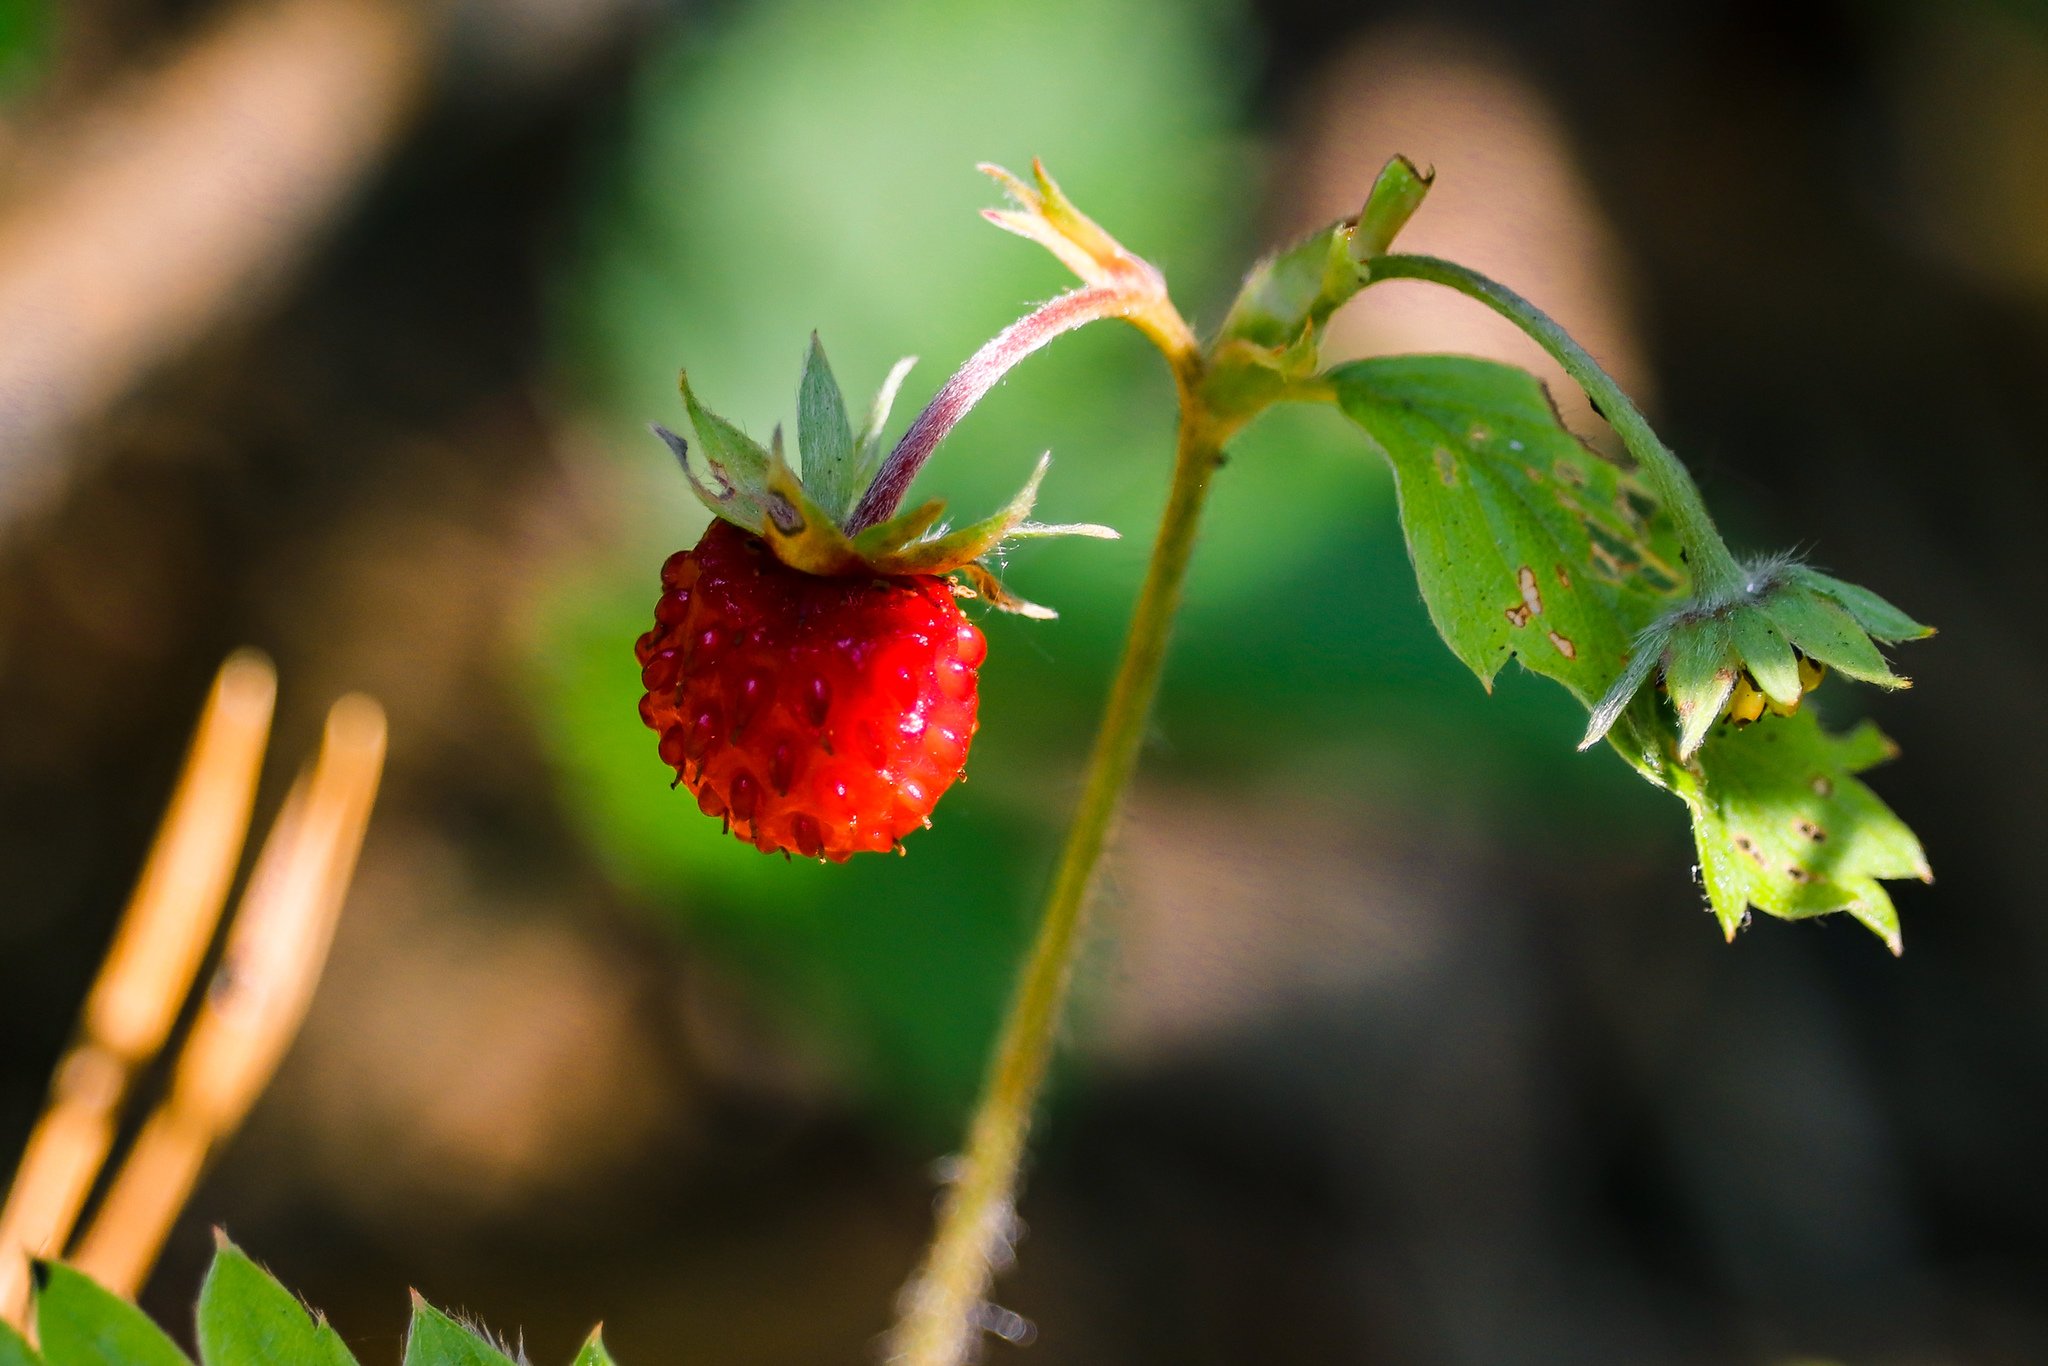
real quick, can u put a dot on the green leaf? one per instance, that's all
(1784, 825)
(14, 1349)
(435, 1339)
(247, 1319)
(824, 436)
(1495, 494)
(81, 1324)
(1524, 541)
(593, 1353)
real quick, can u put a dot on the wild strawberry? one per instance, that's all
(818, 716)
(810, 677)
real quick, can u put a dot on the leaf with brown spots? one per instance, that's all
(1528, 544)
(1783, 824)
(1525, 542)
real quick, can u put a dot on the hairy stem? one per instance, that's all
(975, 378)
(943, 1307)
(1716, 576)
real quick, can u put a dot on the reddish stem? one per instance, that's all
(974, 379)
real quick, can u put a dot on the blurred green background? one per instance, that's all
(1405, 1038)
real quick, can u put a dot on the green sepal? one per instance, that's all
(435, 1339)
(247, 1319)
(1648, 654)
(1783, 610)
(593, 1352)
(1823, 630)
(1700, 672)
(1395, 197)
(759, 491)
(867, 451)
(1769, 657)
(82, 1324)
(901, 529)
(735, 463)
(1882, 620)
(802, 534)
(824, 437)
(990, 589)
(950, 551)
(1783, 824)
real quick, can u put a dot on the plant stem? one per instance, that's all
(942, 1310)
(1716, 575)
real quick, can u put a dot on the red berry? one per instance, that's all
(819, 716)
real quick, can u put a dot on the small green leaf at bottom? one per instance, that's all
(1783, 824)
(247, 1319)
(593, 1353)
(81, 1324)
(435, 1339)
(14, 1348)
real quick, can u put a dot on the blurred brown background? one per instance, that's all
(328, 326)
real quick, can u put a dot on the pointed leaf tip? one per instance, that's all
(1700, 675)
(245, 1316)
(735, 462)
(594, 1352)
(825, 440)
(1784, 825)
(1621, 692)
(1825, 631)
(1874, 614)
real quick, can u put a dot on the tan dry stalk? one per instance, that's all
(277, 946)
(148, 973)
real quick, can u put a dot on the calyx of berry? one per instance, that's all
(807, 515)
(1761, 647)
